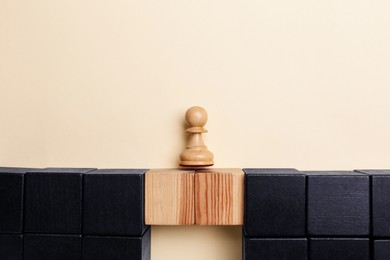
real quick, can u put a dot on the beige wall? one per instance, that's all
(302, 84)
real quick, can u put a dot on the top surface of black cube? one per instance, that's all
(11, 199)
(332, 173)
(271, 171)
(274, 203)
(138, 172)
(114, 202)
(338, 203)
(380, 192)
(77, 171)
(53, 200)
(375, 172)
(15, 170)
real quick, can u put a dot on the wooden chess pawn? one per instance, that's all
(196, 153)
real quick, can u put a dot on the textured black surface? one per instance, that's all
(114, 202)
(11, 199)
(275, 249)
(381, 249)
(339, 249)
(110, 205)
(338, 203)
(274, 203)
(119, 248)
(53, 200)
(380, 199)
(11, 247)
(52, 247)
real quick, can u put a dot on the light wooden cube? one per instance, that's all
(169, 197)
(219, 197)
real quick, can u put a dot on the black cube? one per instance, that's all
(114, 202)
(380, 192)
(54, 200)
(11, 199)
(50, 247)
(381, 249)
(339, 249)
(11, 247)
(119, 248)
(338, 203)
(275, 249)
(274, 203)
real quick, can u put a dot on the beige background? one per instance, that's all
(302, 84)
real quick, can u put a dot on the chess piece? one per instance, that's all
(196, 153)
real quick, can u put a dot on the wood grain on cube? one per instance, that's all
(219, 197)
(169, 197)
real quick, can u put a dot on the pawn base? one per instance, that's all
(196, 164)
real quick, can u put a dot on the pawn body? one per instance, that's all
(196, 153)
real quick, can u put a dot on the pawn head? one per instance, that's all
(196, 116)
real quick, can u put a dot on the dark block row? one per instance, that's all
(72, 213)
(74, 247)
(315, 249)
(72, 201)
(290, 203)
(317, 215)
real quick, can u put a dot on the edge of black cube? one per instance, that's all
(275, 172)
(43, 246)
(342, 250)
(143, 247)
(53, 171)
(284, 248)
(140, 172)
(335, 174)
(20, 173)
(377, 231)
